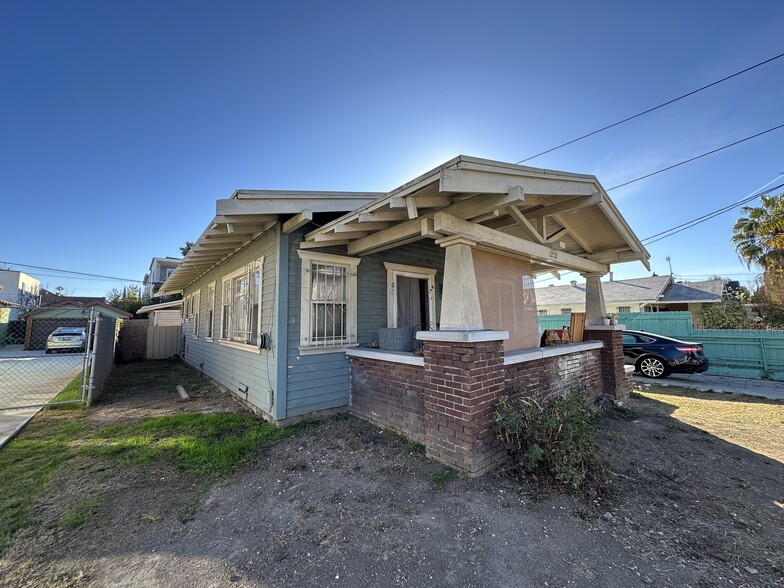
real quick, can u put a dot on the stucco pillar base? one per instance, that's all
(464, 379)
(595, 309)
(460, 295)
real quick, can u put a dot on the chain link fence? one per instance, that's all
(46, 356)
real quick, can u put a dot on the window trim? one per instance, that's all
(195, 308)
(394, 270)
(210, 332)
(308, 258)
(254, 347)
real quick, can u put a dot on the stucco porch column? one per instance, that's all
(460, 308)
(595, 309)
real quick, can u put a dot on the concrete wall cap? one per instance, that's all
(463, 336)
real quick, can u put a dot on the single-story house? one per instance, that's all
(651, 294)
(304, 302)
(42, 321)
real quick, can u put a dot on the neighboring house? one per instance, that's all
(653, 294)
(5, 318)
(51, 298)
(165, 314)
(19, 288)
(160, 269)
(42, 321)
(288, 295)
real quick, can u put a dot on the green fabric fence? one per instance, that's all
(742, 353)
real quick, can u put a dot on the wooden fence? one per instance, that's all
(138, 340)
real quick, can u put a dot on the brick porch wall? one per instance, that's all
(556, 376)
(389, 394)
(617, 383)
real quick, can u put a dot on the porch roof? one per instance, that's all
(558, 220)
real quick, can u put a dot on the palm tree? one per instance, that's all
(759, 236)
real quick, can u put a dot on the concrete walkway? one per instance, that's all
(711, 383)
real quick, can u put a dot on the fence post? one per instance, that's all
(86, 363)
(91, 387)
(765, 372)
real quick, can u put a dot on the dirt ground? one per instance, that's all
(343, 503)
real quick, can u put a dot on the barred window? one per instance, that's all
(542, 312)
(210, 314)
(329, 310)
(624, 309)
(566, 311)
(241, 304)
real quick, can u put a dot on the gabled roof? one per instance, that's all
(707, 291)
(633, 290)
(556, 219)
(71, 305)
(247, 215)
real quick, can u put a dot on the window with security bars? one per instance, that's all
(329, 309)
(566, 311)
(542, 312)
(328, 304)
(624, 309)
(210, 314)
(241, 305)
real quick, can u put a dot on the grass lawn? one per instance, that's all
(72, 392)
(748, 421)
(203, 444)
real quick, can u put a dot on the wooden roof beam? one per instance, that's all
(565, 206)
(501, 242)
(485, 182)
(525, 224)
(298, 220)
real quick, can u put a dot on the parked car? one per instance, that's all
(66, 339)
(657, 356)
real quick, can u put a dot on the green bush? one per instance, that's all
(551, 443)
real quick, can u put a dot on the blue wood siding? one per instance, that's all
(318, 382)
(239, 368)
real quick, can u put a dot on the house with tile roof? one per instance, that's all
(651, 294)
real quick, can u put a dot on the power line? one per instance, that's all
(649, 110)
(770, 130)
(54, 269)
(706, 217)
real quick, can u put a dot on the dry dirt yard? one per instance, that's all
(343, 503)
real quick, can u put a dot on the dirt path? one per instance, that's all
(344, 504)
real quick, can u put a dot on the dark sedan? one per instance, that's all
(657, 356)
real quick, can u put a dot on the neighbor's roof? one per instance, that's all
(173, 305)
(247, 215)
(633, 290)
(707, 291)
(53, 310)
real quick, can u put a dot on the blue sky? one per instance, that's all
(122, 123)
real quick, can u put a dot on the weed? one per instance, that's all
(150, 518)
(583, 513)
(442, 477)
(79, 514)
(414, 448)
(552, 443)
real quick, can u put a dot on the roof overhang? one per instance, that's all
(173, 305)
(247, 215)
(558, 220)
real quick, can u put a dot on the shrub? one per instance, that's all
(551, 443)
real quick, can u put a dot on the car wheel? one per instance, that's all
(652, 367)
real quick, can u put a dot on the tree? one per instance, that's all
(185, 248)
(128, 299)
(759, 236)
(759, 240)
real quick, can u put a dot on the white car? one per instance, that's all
(66, 339)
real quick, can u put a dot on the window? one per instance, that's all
(195, 308)
(241, 304)
(328, 301)
(624, 309)
(411, 296)
(210, 310)
(543, 312)
(566, 311)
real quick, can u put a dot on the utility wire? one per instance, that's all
(770, 130)
(54, 269)
(644, 112)
(751, 196)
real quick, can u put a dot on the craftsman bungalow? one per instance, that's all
(414, 309)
